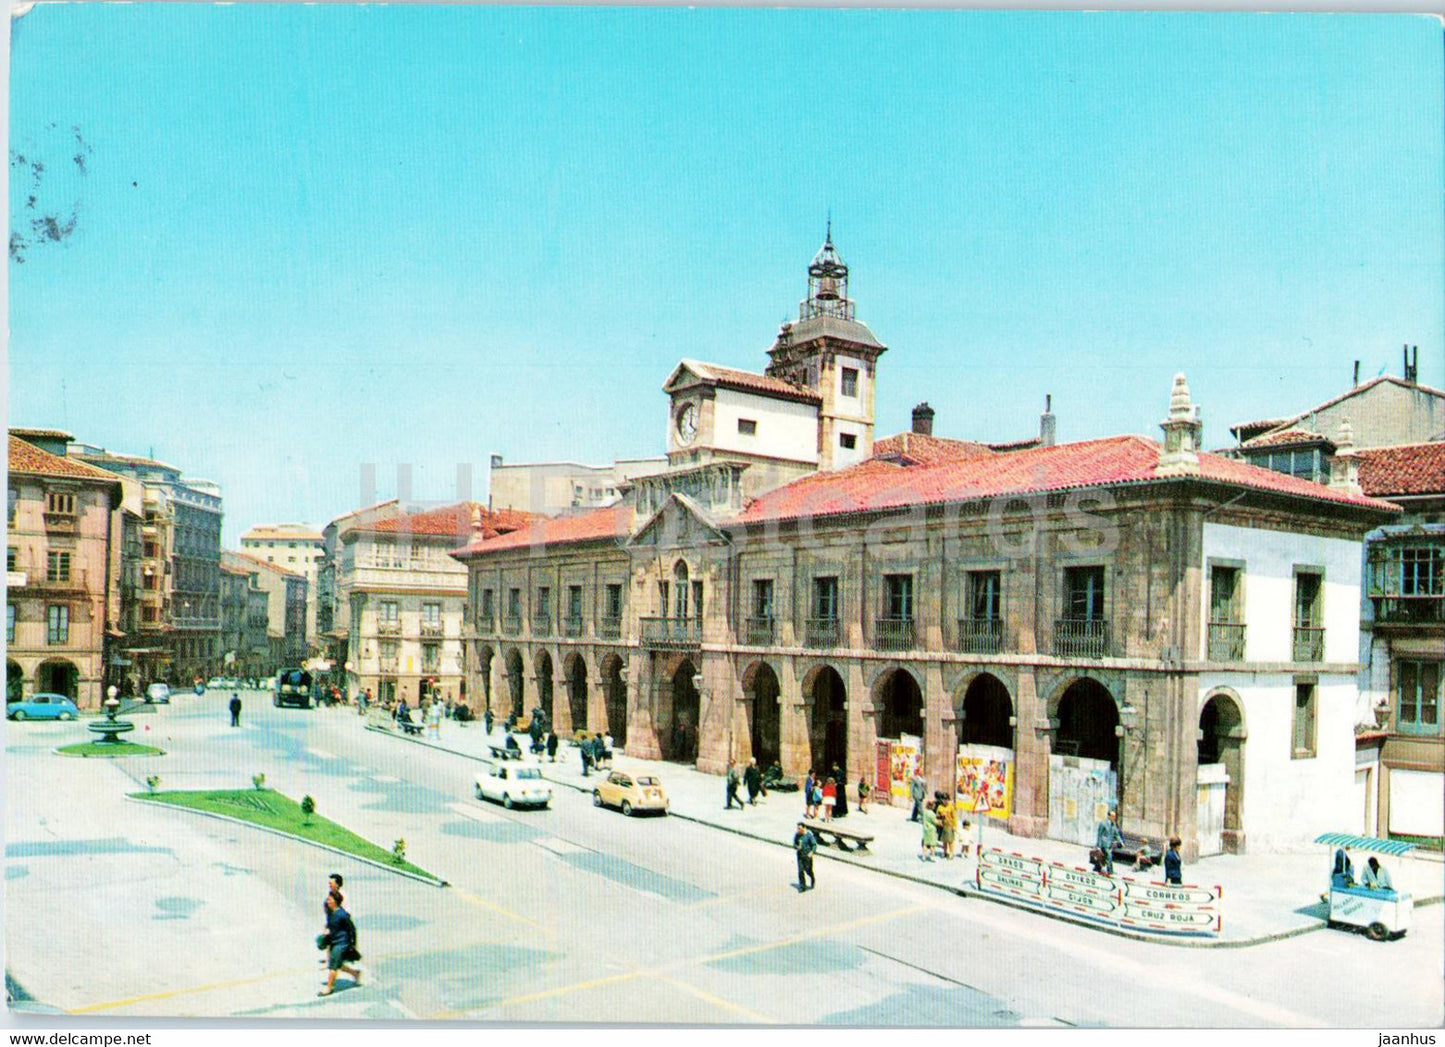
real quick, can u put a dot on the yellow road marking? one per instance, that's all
(545, 994)
(716, 1001)
(168, 993)
(494, 907)
(708, 903)
(817, 932)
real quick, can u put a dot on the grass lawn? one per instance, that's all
(275, 811)
(111, 749)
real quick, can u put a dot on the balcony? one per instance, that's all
(39, 581)
(759, 630)
(388, 628)
(62, 523)
(822, 632)
(980, 635)
(572, 626)
(486, 625)
(1081, 638)
(511, 624)
(388, 665)
(610, 627)
(672, 633)
(432, 630)
(893, 633)
(1309, 643)
(542, 624)
(1226, 641)
(1409, 610)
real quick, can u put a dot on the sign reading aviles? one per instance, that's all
(1119, 901)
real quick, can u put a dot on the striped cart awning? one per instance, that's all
(1365, 843)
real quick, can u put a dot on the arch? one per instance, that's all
(899, 700)
(1087, 716)
(542, 665)
(58, 676)
(516, 681)
(1221, 741)
(614, 685)
(987, 709)
(760, 684)
(14, 681)
(827, 705)
(575, 668)
(686, 711)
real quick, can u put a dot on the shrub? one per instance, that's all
(258, 780)
(398, 851)
(308, 808)
(152, 782)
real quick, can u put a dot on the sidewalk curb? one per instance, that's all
(961, 891)
(299, 839)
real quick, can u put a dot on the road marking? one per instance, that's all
(817, 932)
(406, 1012)
(475, 813)
(90, 1008)
(716, 1001)
(557, 846)
(494, 907)
(740, 896)
(547, 994)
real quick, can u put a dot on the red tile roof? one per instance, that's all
(597, 525)
(1404, 469)
(750, 381)
(922, 449)
(248, 559)
(453, 521)
(1285, 437)
(27, 458)
(1117, 460)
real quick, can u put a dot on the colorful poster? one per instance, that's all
(905, 759)
(883, 772)
(986, 780)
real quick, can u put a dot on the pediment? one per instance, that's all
(680, 522)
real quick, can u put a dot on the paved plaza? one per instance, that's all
(580, 915)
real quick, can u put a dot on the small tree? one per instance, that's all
(258, 780)
(308, 808)
(398, 851)
(152, 782)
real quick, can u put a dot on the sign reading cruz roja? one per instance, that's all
(1120, 901)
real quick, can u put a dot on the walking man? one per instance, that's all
(235, 710)
(804, 844)
(753, 779)
(551, 745)
(489, 719)
(917, 791)
(586, 750)
(733, 781)
(1106, 837)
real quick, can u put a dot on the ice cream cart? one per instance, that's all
(1381, 912)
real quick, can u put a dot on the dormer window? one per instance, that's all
(850, 381)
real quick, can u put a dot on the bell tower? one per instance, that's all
(829, 352)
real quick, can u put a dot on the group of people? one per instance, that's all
(826, 797)
(751, 778)
(339, 939)
(941, 820)
(1108, 838)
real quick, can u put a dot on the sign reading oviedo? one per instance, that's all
(1115, 900)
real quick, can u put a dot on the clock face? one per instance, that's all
(687, 424)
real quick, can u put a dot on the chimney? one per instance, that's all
(1357, 373)
(496, 461)
(1047, 428)
(923, 419)
(1182, 432)
(1412, 364)
(1344, 466)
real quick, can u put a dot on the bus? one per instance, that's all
(293, 687)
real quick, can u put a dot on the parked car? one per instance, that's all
(218, 682)
(514, 783)
(42, 706)
(293, 687)
(630, 792)
(158, 693)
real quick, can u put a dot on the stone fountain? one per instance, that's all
(110, 729)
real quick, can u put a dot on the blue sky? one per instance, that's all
(311, 237)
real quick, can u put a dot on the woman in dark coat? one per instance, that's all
(340, 944)
(840, 808)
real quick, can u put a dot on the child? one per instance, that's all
(862, 794)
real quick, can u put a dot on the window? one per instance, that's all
(574, 602)
(12, 556)
(431, 614)
(747, 427)
(898, 590)
(388, 650)
(57, 630)
(614, 600)
(431, 657)
(1306, 600)
(9, 623)
(825, 598)
(763, 598)
(60, 503)
(1223, 594)
(1304, 721)
(544, 602)
(850, 381)
(12, 497)
(1417, 697)
(1084, 593)
(486, 605)
(57, 567)
(984, 595)
(387, 612)
(514, 602)
(847, 441)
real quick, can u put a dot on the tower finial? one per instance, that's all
(828, 238)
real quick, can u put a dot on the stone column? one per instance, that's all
(717, 702)
(939, 749)
(795, 748)
(1032, 741)
(862, 724)
(641, 706)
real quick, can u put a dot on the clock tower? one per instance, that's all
(831, 353)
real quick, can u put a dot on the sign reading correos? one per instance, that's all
(1120, 901)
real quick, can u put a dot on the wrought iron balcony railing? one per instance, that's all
(1309, 643)
(511, 624)
(609, 627)
(1081, 638)
(822, 632)
(572, 625)
(1410, 610)
(980, 635)
(759, 630)
(542, 624)
(894, 633)
(1226, 641)
(671, 632)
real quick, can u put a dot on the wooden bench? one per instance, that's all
(840, 837)
(1139, 851)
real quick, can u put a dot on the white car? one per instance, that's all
(158, 693)
(515, 783)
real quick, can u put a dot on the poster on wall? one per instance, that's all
(906, 759)
(986, 780)
(883, 771)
